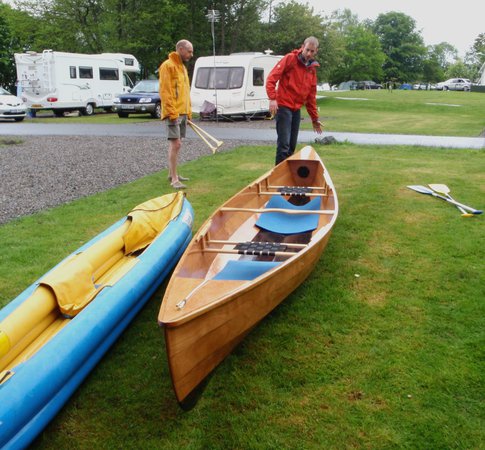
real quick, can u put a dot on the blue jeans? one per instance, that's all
(287, 127)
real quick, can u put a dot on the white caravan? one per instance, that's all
(239, 87)
(71, 81)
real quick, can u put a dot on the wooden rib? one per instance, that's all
(280, 210)
(220, 242)
(238, 252)
(293, 195)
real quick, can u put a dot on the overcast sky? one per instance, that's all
(459, 23)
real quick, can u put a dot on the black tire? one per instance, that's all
(158, 111)
(445, 88)
(122, 115)
(88, 111)
(18, 119)
(58, 112)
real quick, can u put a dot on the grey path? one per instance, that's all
(239, 131)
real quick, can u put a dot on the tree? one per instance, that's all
(402, 45)
(479, 48)
(362, 56)
(15, 36)
(5, 51)
(461, 70)
(292, 23)
(239, 25)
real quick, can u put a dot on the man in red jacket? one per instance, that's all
(296, 76)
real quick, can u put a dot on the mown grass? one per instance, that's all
(382, 347)
(434, 113)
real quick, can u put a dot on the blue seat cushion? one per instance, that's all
(282, 223)
(244, 270)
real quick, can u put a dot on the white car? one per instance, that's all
(455, 84)
(11, 107)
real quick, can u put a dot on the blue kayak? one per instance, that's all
(55, 332)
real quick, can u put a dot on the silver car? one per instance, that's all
(11, 107)
(455, 84)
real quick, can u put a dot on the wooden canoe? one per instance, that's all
(246, 258)
(55, 332)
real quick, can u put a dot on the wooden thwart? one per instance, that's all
(279, 210)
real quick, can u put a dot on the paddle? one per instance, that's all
(425, 190)
(443, 189)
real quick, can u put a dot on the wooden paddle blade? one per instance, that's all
(440, 188)
(421, 189)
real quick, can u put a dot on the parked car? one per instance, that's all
(424, 86)
(143, 99)
(11, 107)
(347, 85)
(368, 85)
(455, 84)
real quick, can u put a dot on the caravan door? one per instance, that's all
(256, 99)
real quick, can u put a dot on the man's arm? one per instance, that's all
(311, 107)
(273, 78)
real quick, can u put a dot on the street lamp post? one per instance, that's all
(213, 16)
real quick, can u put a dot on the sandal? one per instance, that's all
(178, 185)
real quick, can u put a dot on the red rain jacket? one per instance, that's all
(297, 84)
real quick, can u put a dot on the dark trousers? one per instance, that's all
(287, 127)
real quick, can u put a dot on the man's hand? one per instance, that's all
(273, 107)
(317, 126)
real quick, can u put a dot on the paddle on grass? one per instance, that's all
(443, 189)
(425, 190)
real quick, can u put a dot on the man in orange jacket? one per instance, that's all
(176, 107)
(296, 76)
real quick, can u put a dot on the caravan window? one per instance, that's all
(258, 77)
(127, 81)
(85, 72)
(108, 74)
(226, 77)
(72, 71)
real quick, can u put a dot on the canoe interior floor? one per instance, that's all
(49, 332)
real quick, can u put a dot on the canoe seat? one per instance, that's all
(260, 248)
(282, 223)
(244, 270)
(295, 191)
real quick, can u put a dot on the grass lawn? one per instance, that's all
(382, 346)
(434, 113)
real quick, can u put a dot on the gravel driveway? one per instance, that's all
(45, 171)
